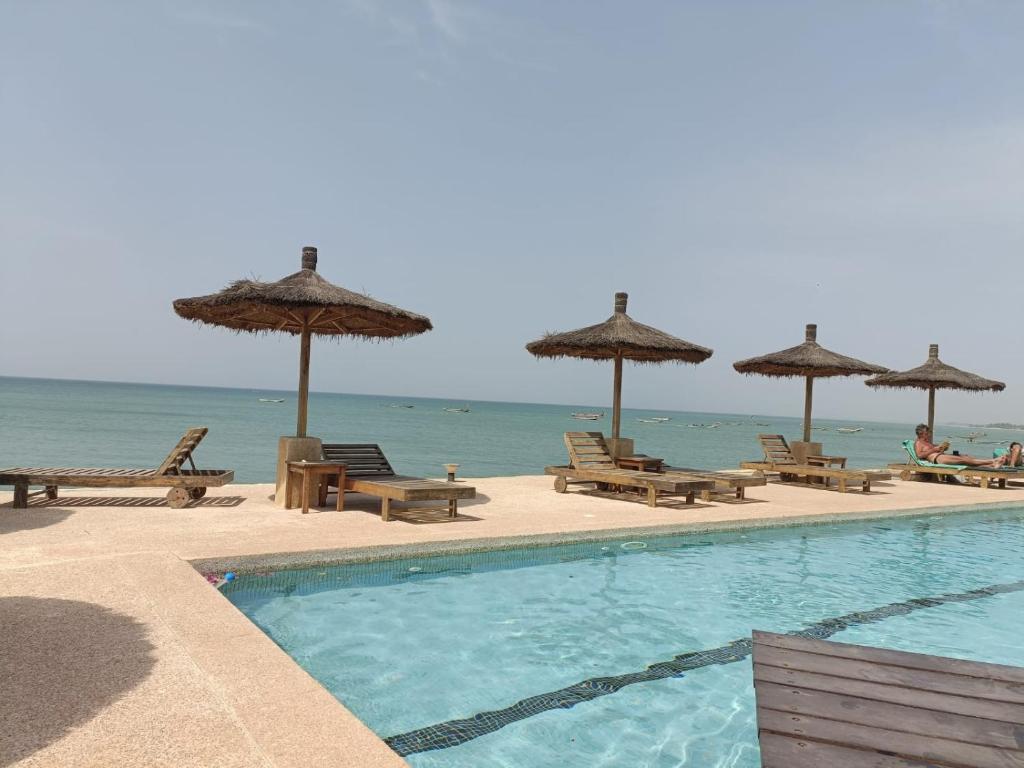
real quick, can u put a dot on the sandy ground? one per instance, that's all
(115, 651)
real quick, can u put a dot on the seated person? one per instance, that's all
(1012, 454)
(926, 450)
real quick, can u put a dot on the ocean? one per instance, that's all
(47, 422)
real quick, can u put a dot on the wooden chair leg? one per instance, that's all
(453, 508)
(306, 477)
(51, 491)
(705, 495)
(321, 499)
(21, 495)
(289, 491)
(866, 488)
(385, 508)
(841, 482)
(652, 496)
(741, 493)
(689, 498)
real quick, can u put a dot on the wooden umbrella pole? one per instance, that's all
(617, 396)
(931, 409)
(300, 427)
(808, 397)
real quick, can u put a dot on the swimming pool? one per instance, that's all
(630, 653)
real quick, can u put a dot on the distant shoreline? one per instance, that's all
(290, 393)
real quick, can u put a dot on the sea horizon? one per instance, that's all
(75, 423)
(456, 400)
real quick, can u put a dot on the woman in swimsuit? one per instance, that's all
(926, 450)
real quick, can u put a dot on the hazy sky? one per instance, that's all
(740, 168)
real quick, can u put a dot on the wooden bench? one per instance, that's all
(779, 458)
(821, 703)
(185, 484)
(368, 471)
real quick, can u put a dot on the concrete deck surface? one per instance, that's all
(115, 651)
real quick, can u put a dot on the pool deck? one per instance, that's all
(114, 649)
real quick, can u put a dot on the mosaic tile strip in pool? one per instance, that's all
(455, 732)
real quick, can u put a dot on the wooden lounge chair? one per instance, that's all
(590, 462)
(589, 450)
(779, 458)
(984, 476)
(368, 471)
(821, 703)
(185, 484)
(726, 481)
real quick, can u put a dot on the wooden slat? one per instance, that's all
(784, 752)
(910, 746)
(909, 718)
(888, 656)
(876, 672)
(943, 702)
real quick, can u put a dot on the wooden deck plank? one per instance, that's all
(821, 703)
(875, 672)
(942, 702)
(909, 746)
(891, 657)
(907, 718)
(785, 752)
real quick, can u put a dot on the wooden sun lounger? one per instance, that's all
(779, 458)
(368, 471)
(589, 450)
(984, 477)
(821, 703)
(185, 484)
(726, 481)
(590, 462)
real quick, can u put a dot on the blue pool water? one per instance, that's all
(588, 654)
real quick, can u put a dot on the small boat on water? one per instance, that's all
(457, 410)
(649, 421)
(588, 416)
(271, 400)
(401, 405)
(661, 418)
(849, 430)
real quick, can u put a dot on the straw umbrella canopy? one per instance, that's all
(811, 361)
(933, 375)
(619, 338)
(303, 304)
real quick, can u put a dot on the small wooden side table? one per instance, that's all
(318, 471)
(826, 462)
(640, 463)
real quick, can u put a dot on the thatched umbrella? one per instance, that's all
(933, 375)
(810, 360)
(619, 338)
(302, 304)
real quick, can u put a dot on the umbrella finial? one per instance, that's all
(309, 257)
(812, 332)
(933, 351)
(620, 302)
